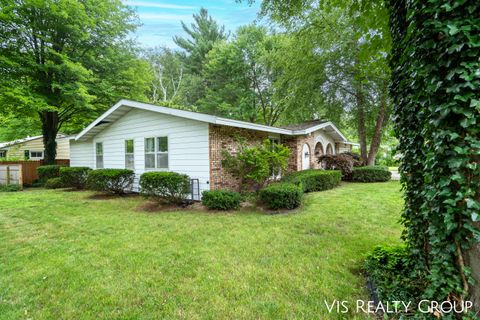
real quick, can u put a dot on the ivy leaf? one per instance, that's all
(452, 29)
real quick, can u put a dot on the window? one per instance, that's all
(156, 153)
(99, 155)
(36, 155)
(129, 155)
(3, 153)
(273, 142)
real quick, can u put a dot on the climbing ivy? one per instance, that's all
(435, 86)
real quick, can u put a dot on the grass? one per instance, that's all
(65, 256)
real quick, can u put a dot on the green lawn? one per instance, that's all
(65, 256)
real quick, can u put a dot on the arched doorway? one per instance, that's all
(318, 150)
(318, 154)
(329, 149)
(305, 157)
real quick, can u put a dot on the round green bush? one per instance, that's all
(170, 187)
(48, 172)
(54, 183)
(371, 174)
(314, 180)
(221, 199)
(74, 177)
(282, 196)
(116, 181)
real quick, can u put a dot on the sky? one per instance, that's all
(161, 19)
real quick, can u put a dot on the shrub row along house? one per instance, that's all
(145, 137)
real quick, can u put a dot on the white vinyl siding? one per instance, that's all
(81, 153)
(188, 150)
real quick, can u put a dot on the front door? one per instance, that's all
(305, 157)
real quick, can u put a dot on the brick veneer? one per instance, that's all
(224, 138)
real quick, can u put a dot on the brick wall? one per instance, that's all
(295, 144)
(224, 138)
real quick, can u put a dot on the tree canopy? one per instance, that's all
(67, 60)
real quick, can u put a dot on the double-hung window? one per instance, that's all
(99, 155)
(129, 154)
(36, 155)
(156, 153)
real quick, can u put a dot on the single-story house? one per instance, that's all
(31, 148)
(145, 137)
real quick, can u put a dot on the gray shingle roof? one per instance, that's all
(304, 125)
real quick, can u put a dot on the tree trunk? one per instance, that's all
(377, 136)
(361, 123)
(49, 130)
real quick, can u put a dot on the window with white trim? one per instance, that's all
(156, 153)
(99, 155)
(129, 154)
(36, 155)
(3, 153)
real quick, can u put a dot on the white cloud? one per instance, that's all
(157, 5)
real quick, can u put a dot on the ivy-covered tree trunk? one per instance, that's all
(435, 89)
(362, 136)
(49, 130)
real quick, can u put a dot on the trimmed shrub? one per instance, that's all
(282, 196)
(371, 174)
(170, 187)
(315, 180)
(54, 183)
(221, 199)
(342, 162)
(10, 187)
(391, 276)
(74, 177)
(48, 172)
(116, 181)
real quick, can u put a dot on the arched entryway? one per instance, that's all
(318, 153)
(305, 157)
(329, 149)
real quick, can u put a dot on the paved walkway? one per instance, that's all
(395, 175)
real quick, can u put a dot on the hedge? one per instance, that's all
(48, 172)
(221, 200)
(282, 196)
(54, 183)
(74, 177)
(10, 187)
(116, 181)
(315, 180)
(371, 174)
(170, 187)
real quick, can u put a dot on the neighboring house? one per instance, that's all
(145, 137)
(31, 148)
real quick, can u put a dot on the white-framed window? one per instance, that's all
(99, 155)
(129, 154)
(3, 153)
(35, 155)
(273, 141)
(156, 153)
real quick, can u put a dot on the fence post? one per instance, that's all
(8, 175)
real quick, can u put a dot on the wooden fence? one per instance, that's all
(29, 168)
(11, 174)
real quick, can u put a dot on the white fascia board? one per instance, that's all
(149, 107)
(252, 126)
(103, 116)
(322, 126)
